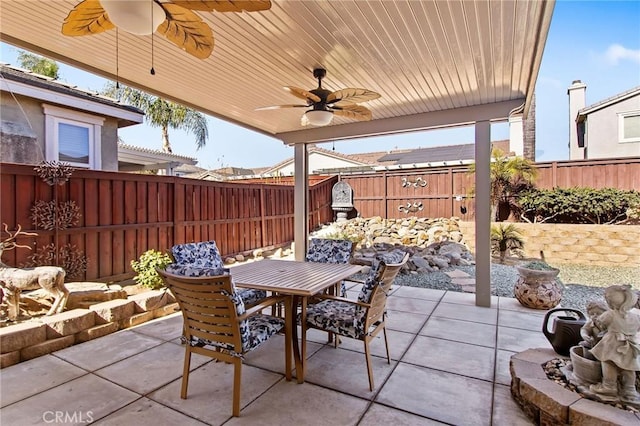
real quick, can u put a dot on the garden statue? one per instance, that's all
(618, 350)
(14, 280)
(593, 330)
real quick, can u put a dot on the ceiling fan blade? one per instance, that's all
(225, 5)
(352, 95)
(353, 111)
(281, 107)
(186, 30)
(88, 17)
(303, 94)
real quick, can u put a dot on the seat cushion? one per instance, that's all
(261, 327)
(336, 316)
(255, 331)
(390, 258)
(323, 250)
(203, 254)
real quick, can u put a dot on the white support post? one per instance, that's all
(301, 201)
(483, 213)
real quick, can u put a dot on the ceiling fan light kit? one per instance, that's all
(318, 117)
(135, 17)
(324, 104)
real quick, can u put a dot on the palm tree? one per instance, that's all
(509, 176)
(38, 64)
(506, 239)
(162, 113)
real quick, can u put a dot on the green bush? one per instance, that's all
(577, 205)
(146, 268)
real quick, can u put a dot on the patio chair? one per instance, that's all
(325, 250)
(216, 324)
(203, 259)
(365, 318)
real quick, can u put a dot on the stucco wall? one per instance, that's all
(604, 245)
(23, 133)
(603, 134)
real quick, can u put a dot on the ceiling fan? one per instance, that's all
(324, 104)
(174, 19)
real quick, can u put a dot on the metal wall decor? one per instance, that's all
(416, 205)
(406, 183)
(411, 207)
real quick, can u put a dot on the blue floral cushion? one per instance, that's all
(336, 316)
(254, 331)
(204, 254)
(392, 257)
(323, 250)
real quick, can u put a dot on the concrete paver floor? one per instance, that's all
(450, 365)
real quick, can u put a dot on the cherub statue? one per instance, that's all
(593, 330)
(618, 350)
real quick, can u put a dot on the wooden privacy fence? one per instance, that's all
(442, 191)
(123, 215)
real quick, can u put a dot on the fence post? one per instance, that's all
(263, 225)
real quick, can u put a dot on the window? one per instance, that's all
(73, 137)
(629, 126)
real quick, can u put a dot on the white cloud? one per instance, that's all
(616, 53)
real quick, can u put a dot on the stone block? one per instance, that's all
(550, 397)
(112, 311)
(69, 322)
(616, 258)
(16, 337)
(136, 319)
(9, 358)
(587, 412)
(590, 242)
(149, 300)
(46, 347)
(536, 356)
(169, 309)
(96, 331)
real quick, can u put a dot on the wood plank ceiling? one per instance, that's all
(421, 56)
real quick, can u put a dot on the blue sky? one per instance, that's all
(597, 42)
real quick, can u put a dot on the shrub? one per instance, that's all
(577, 205)
(146, 268)
(538, 265)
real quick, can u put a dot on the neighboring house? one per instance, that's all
(607, 129)
(137, 159)
(45, 119)
(324, 161)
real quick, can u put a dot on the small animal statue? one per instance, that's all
(14, 280)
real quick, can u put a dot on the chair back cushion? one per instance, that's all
(202, 254)
(373, 279)
(323, 250)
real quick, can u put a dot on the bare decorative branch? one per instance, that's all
(51, 215)
(54, 172)
(71, 259)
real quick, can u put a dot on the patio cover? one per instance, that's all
(436, 64)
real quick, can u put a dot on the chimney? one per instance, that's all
(577, 100)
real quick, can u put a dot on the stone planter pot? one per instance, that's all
(584, 370)
(538, 289)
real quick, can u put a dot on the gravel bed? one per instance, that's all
(504, 277)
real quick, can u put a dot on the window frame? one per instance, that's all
(55, 116)
(621, 118)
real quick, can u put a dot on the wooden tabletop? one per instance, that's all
(290, 276)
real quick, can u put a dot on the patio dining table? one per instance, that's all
(299, 280)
